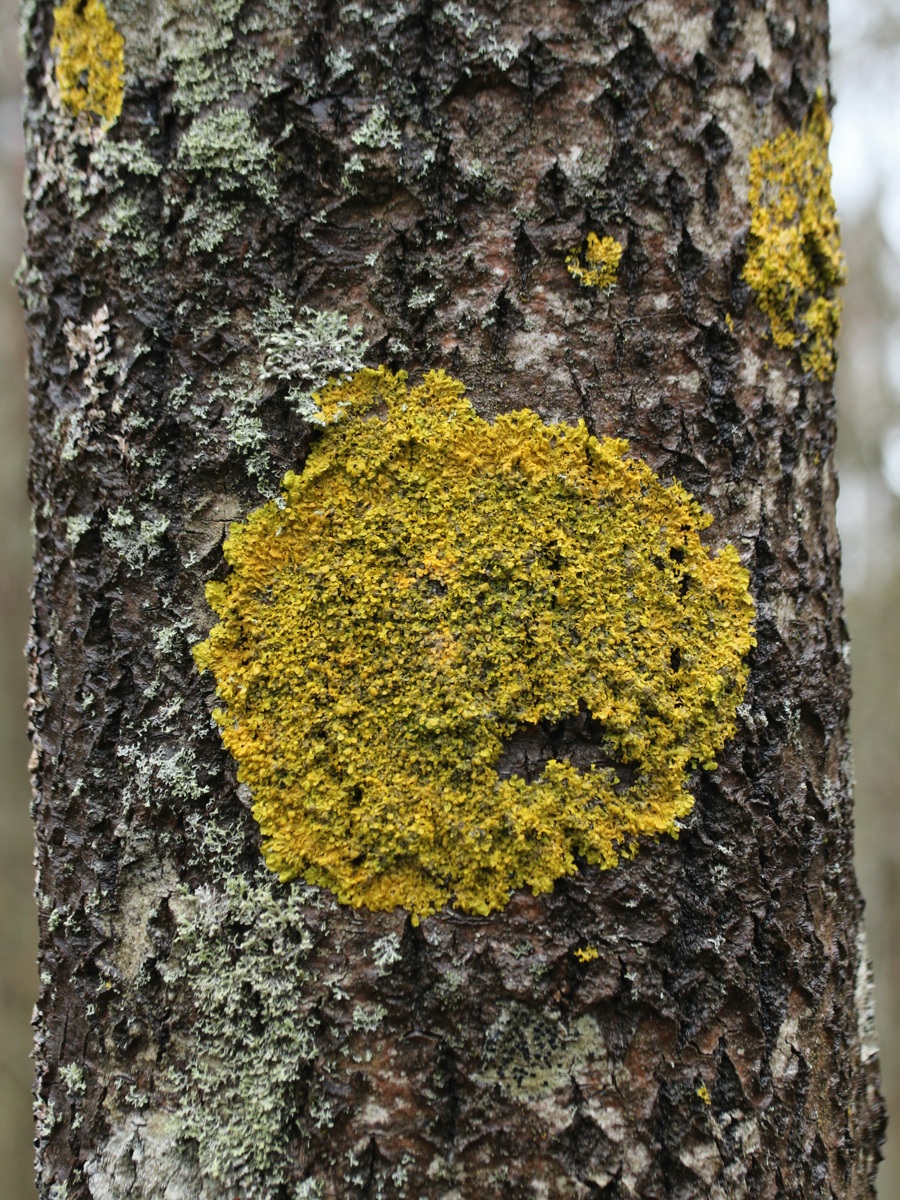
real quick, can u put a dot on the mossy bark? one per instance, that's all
(424, 171)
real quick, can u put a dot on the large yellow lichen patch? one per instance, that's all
(794, 262)
(433, 587)
(90, 59)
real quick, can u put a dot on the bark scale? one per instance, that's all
(423, 171)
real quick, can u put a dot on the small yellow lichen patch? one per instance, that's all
(588, 954)
(433, 585)
(703, 1093)
(90, 59)
(600, 262)
(794, 262)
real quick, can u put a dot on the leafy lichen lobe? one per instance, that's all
(433, 584)
(598, 265)
(90, 60)
(794, 262)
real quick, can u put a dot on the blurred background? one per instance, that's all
(866, 155)
(865, 151)
(18, 976)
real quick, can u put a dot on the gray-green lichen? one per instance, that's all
(339, 62)
(530, 1055)
(135, 540)
(307, 351)
(219, 1121)
(212, 221)
(76, 528)
(72, 1075)
(124, 219)
(160, 774)
(240, 950)
(241, 396)
(352, 176)
(378, 131)
(303, 349)
(196, 45)
(386, 952)
(113, 159)
(223, 151)
(226, 142)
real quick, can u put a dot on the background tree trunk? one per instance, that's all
(207, 1032)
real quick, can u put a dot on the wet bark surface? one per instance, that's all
(425, 171)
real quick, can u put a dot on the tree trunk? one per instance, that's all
(282, 193)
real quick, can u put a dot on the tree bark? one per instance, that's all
(422, 171)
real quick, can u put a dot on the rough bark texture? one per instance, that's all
(206, 1032)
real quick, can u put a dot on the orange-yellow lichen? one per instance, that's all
(598, 264)
(794, 262)
(587, 954)
(90, 59)
(429, 586)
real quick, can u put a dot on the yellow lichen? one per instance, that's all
(600, 262)
(587, 954)
(703, 1093)
(90, 59)
(433, 584)
(794, 262)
